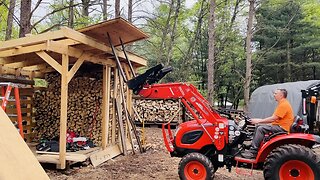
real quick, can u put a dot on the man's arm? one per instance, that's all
(265, 120)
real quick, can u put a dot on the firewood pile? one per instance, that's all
(84, 107)
(157, 111)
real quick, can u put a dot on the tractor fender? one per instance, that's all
(307, 140)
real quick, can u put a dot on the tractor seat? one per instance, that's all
(297, 126)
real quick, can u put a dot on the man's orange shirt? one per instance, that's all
(285, 113)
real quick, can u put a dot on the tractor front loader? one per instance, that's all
(210, 140)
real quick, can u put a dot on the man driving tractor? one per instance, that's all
(281, 121)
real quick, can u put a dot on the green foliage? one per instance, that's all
(3, 18)
(190, 50)
(288, 41)
(61, 17)
(40, 82)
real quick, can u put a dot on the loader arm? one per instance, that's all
(197, 105)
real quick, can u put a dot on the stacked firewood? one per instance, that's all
(84, 107)
(157, 111)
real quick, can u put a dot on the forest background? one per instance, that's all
(226, 48)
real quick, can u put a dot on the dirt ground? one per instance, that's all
(156, 163)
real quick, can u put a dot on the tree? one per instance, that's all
(117, 8)
(186, 39)
(104, 9)
(173, 32)
(249, 55)
(71, 14)
(85, 7)
(10, 19)
(25, 16)
(130, 11)
(287, 42)
(211, 51)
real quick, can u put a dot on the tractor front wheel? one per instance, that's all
(292, 162)
(196, 166)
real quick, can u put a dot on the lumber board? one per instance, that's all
(82, 152)
(63, 111)
(87, 40)
(9, 70)
(114, 118)
(105, 105)
(104, 155)
(22, 50)
(53, 63)
(37, 67)
(18, 162)
(124, 29)
(6, 60)
(31, 39)
(121, 126)
(75, 68)
(22, 64)
(55, 46)
(69, 156)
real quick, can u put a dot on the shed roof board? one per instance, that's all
(117, 28)
(24, 54)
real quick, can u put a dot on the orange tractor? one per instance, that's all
(211, 140)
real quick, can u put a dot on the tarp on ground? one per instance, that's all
(262, 102)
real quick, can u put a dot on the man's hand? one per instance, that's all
(255, 120)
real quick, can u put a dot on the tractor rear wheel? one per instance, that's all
(292, 161)
(196, 166)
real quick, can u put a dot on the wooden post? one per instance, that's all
(105, 105)
(63, 111)
(121, 127)
(129, 91)
(128, 103)
(115, 89)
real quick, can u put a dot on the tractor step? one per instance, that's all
(249, 162)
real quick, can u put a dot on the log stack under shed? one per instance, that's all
(84, 107)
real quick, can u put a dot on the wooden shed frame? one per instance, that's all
(35, 55)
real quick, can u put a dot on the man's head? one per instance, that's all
(280, 94)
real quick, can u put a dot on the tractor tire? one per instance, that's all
(196, 166)
(292, 161)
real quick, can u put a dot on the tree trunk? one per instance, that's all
(117, 8)
(104, 9)
(130, 11)
(188, 56)
(85, 8)
(71, 15)
(25, 16)
(211, 46)
(176, 15)
(235, 12)
(249, 56)
(164, 35)
(10, 19)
